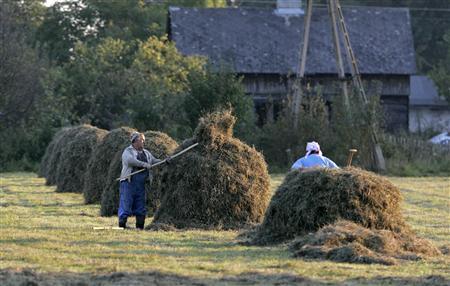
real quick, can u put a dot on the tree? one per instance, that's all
(213, 88)
(94, 85)
(20, 69)
(65, 24)
(160, 80)
(441, 73)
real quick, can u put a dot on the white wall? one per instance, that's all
(422, 118)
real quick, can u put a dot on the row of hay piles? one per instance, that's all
(100, 160)
(308, 200)
(58, 152)
(345, 241)
(160, 145)
(44, 166)
(74, 158)
(220, 184)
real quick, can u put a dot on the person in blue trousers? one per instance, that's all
(132, 188)
(313, 159)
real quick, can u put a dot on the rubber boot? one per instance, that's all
(123, 222)
(140, 221)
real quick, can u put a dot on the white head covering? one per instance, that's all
(136, 135)
(313, 146)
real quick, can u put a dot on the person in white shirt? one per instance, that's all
(313, 158)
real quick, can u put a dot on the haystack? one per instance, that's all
(57, 154)
(44, 165)
(76, 154)
(306, 201)
(98, 165)
(220, 184)
(160, 145)
(346, 241)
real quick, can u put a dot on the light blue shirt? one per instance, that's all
(314, 160)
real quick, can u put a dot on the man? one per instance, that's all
(132, 189)
(313, 158)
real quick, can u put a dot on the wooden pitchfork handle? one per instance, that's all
(160, 163)
(350, 156)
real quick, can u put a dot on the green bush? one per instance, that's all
(337, 129)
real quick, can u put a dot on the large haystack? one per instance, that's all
(308, 200)
(346, 241)
(73, 163)
(98, 165)
(220, 184)
(44, 165)
(160, 145)
(55, 158)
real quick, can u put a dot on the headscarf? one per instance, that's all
(313, 146)
(136, 135)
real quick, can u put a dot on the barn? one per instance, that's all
(263, 45)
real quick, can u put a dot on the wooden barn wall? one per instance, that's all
(267, 89)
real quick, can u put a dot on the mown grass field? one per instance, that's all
(48, 237)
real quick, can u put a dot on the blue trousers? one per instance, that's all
(132, 196)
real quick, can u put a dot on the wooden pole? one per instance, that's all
(298, 90)
(377, 153)
(337, 48)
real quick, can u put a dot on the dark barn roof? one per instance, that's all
(424, 93)
(259, 41)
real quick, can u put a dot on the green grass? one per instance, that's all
(52, 232)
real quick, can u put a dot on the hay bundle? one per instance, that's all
(44, 165)
(220, 184)
(55, 157)
(160, 145)
(74, 158)
(306, 201)
(346, 241)
(98, 165)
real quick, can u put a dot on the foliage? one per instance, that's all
(93, 85)
(22, 142)
(441, 72)
(65, 24)
(335, 126)
(409, 155)
(282, 141)
(212, 89)
(90, 21)
(148, 86)
(160, 78)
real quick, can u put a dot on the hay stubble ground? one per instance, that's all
(48, 237)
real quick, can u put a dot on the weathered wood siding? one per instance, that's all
(270, 89)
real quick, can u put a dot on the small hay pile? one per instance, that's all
(74, 158)
(308, 200)
(98, 165)
(220, 184)
(160, 145)
(44, 165)
(346, 241)
(55, 158)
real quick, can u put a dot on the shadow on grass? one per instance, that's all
(196, 248)
(29, 277)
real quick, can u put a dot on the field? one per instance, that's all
(48, 238)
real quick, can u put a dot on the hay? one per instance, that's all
(55, 157)
(306, 201)
(220, 184)
(76, 154)
(98, 165)
(346, 241)
(160, 145)
(44, 165)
